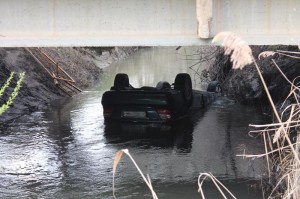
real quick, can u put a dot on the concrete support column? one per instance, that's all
(204, 9)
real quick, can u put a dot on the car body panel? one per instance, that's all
(138, 105)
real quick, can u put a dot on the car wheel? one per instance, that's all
(214, 86)
(121, 81)
(163, 85)
(183, 83)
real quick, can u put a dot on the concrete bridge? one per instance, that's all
(146, 22)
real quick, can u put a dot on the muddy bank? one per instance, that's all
(245, 85)
(84, 65)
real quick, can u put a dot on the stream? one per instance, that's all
(67, 151)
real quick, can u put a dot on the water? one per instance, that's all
(67, 151)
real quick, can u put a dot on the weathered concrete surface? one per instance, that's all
(259, 22)
(97, 22)
(145, 23)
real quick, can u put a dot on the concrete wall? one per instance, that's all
(96, 22)
(259, 21)
(145, 22)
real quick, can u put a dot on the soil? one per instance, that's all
(84, 65)
(245, 86)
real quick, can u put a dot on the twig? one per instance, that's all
(264, 154)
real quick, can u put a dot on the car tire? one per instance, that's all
(215, 87)
(183, 83)
(121, 81)
(163, 85)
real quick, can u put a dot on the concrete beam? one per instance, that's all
(146, 23)
(266, 22)
(97, 22)
(204, 10)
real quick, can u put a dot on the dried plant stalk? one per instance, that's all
(146, 180)
(287, 160)
(216, 182)
(241, 53)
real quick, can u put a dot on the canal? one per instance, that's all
(67, 151)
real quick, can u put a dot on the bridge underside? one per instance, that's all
(31, 23)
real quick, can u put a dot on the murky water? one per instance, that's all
(68, 151)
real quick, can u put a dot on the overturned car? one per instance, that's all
(164, 103)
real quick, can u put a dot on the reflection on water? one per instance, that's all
(151, 65)
(68, 150)
(155, 135)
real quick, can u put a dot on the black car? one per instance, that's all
(164, 103)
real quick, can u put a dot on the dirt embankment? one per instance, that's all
(245, 86)
(38, 89)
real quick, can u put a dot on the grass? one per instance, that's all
(14, 94)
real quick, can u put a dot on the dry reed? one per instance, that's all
(239, 51)
(146, 180)
(216, 182)
(282, 155)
